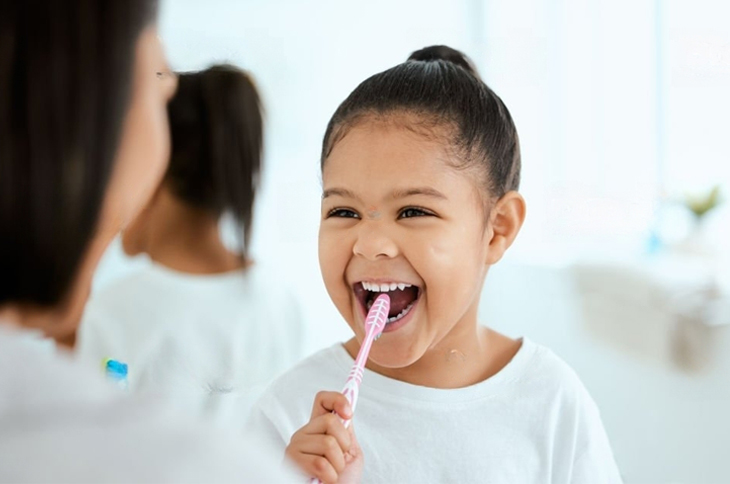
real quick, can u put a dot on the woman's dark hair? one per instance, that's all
(440, 86)
(217, 140)
(65, 82)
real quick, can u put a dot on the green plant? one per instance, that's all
(703, 203)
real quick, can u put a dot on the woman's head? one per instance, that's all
(216, 127)
(83, 139)
(420, 166)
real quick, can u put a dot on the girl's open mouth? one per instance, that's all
(403, 297)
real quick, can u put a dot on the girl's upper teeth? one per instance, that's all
(375, 287)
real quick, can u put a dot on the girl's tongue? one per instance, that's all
(400, 299)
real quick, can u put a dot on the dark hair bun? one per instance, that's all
(444, 53)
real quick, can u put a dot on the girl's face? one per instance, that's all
(397, 216)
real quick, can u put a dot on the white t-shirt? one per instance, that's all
(60, 422)
(210, 343)
(532, 422)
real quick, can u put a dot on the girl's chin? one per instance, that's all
(389, 357)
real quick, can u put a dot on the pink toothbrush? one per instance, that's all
(374, 324)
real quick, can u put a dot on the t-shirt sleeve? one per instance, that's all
(261, 427)
(222, 459)
(594, 462)
(194, 454)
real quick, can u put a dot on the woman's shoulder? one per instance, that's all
(270, 291)
(265, 274)
(116, 293)
(123, 301)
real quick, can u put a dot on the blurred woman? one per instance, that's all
(83, 144)
(203, 325)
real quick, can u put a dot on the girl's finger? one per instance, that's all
(328, 402)
(324, 446)
(329, 424)
(319, 467)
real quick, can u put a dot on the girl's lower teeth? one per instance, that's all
(402, 313)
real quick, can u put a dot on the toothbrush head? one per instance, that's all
(377, 316)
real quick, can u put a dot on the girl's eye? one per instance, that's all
(342, 213)
(411, 212)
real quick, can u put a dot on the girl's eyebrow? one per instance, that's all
(400, 193)
(423, 191)
(339, 192)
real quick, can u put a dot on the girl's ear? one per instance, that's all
(505, 221)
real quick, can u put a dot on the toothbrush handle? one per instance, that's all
(352, 390)
(374, 324)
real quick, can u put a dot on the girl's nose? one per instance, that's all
(373, 243)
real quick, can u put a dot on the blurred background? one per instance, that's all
(623, 110)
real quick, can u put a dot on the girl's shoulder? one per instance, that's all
(546, 373)
(323, 370)
(288, 400)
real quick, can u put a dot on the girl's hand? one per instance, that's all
(324, 448)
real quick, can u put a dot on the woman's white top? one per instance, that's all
(61, 422)
(210, 343)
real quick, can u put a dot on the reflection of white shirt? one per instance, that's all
(60, 422)
(531, 422)
(211, 343)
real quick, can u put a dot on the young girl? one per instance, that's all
(203, 325)
(420, 167)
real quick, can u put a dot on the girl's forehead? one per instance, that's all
(378, 161)
(377, 149)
